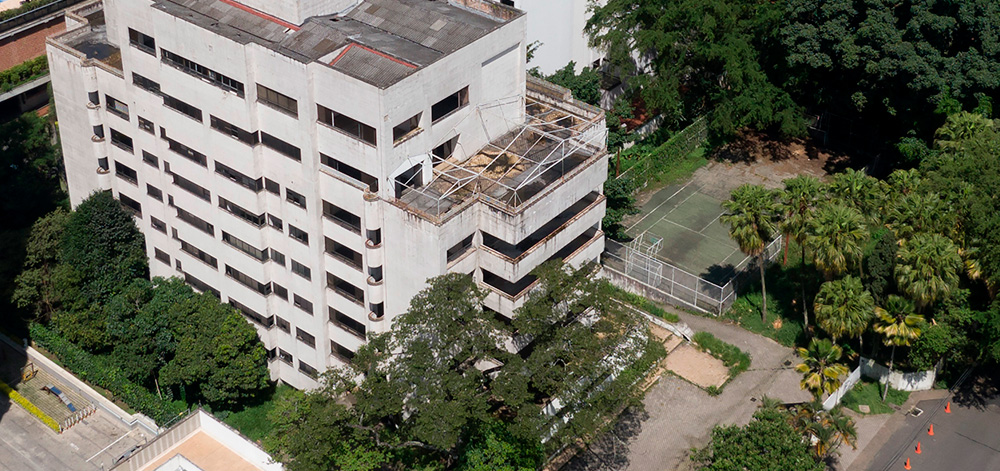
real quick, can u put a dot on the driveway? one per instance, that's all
(679, 416)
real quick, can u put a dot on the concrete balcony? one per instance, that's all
(512, 262)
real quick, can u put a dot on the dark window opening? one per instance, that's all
(295, 198)
(282, 102)
(147, 125)
(142, 42)
(246, 280)
(126, 173)
(298, 234)
(342, 217)
(260, 255)
(145, 84)
(192, 187)
(200, 71)
(121, 141)
(341, 352)
(233, 131)
(346, 323)
(272, 186)
(350, 172)
(377, 309)
(279, 291)
(196, 222)
(198, 284)
(375, 237)
(256, 317)
(102, 163)
(308, 370)
(154, 192)
(99, 131)
(236, 210)
(348, 125)
(277, 257)
(275, 222)
(283, 355)
(150, 159)
(158, 224)
(187, 152)
(343, 253)
(94, 97)
(406, 127)
(301, 270)
(375, 273)
(305, 337)
(412, 178)
(161, 255)
(239, 178)
(116, 107)
(345, 289)
(301, 303)
(445, 150)
(449, 104)
(182, 107)
(199, 254)
(130, 204)
(460, 248)
(281, 146)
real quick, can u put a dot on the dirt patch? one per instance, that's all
(696, 366)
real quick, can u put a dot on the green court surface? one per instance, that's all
(693, 238)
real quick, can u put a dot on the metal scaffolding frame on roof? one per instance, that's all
(533, 143)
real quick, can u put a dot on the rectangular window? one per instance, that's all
(272, 187)
(282, 102)
(142, 42)
(130, 204)
(192, 187)
(116, 107)
(121, 141)
(182, 108)
(302, 304)
(460, 248)
(195, 221)
(378, 310)
(161, 255)
(298, 234)
(199, 254)
(145, 83)
(345, 289)
(280, 146)
(308, 370)
(154, 192)
(246, 280)
(346, 323)
(342, 217)
(277, 257)
(375, 237)
(405, 128)
(350, 172)
(283, 324)
(150, 159)
(260, 255)
(449, 104)
(279, 291)
(443, 151)
(301, 270)
(254, 316)
(341, 352)
(236, 210)
(305, 337)
(103, 163)
(346, 124)
(158, 224)
(99, 131)
(147, 125)
(343, 253)
(239, 178)
(275, 222)
(126, 173)
(283, 355)
(233, 131)
(198, 284)
(375, 273)
(295, 198)
(200, 71)
(187, 152)
(94, 97)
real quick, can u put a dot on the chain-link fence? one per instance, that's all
(635, 269)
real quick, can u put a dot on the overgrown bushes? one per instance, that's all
(23, 73)
(28, 406)
(95, 370)
(24, 8)
(735, 359)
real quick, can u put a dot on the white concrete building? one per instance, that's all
(314, 162)
(557, 26)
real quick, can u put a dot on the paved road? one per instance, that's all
(28, 445)
(679, 416)
(966, 439)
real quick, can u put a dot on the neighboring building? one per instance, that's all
(557, 26)
(199, 442)
(314, 162)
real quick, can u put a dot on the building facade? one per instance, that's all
(314, 162)
(557, 28)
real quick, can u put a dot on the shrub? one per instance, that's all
(23, 73)
(24, 8)
(94, 369)
(28, 406)
(735, 359)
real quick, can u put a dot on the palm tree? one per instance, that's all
(927, 269)
(915, 213)
(825, 430)
(899, 326)
(799, 200)
(752, 218)
(844, 308)
(959, 128)
(859, 190)
(820, 371)
(836, 238)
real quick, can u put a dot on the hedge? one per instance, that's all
(23, 73)
(94, 369)
(735, 359)
(28, 406)
(8, 14)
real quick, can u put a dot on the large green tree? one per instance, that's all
(836, 239)
(767, 443)
(928, 268)
(844, 308)
(752, 215)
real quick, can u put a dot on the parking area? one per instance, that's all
(93, 444)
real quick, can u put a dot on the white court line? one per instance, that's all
(661, 204)
(111, 445)
(710, 223)
(726, 243)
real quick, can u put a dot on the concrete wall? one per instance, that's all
(558, 26)
(915, 381)
(28, 44)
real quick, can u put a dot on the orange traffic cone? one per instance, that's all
(930, 431)
(918, 448)
(907, 464)
(947, 408)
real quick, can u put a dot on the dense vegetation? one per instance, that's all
(442, 391)
(86, 280)
(23, 73)
(24, 8)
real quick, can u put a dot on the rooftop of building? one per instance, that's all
(557, 136)
(376, 41)
(91, 40)
(199, 442)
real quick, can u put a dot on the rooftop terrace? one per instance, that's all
(91, 41)
(557, 136)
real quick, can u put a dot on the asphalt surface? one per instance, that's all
(966, 439)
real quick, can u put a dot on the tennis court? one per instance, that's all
(693, 238)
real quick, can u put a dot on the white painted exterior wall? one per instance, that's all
(413, 247)
(558, 26)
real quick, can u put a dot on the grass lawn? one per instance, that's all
(253, 421)
(871, 394)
